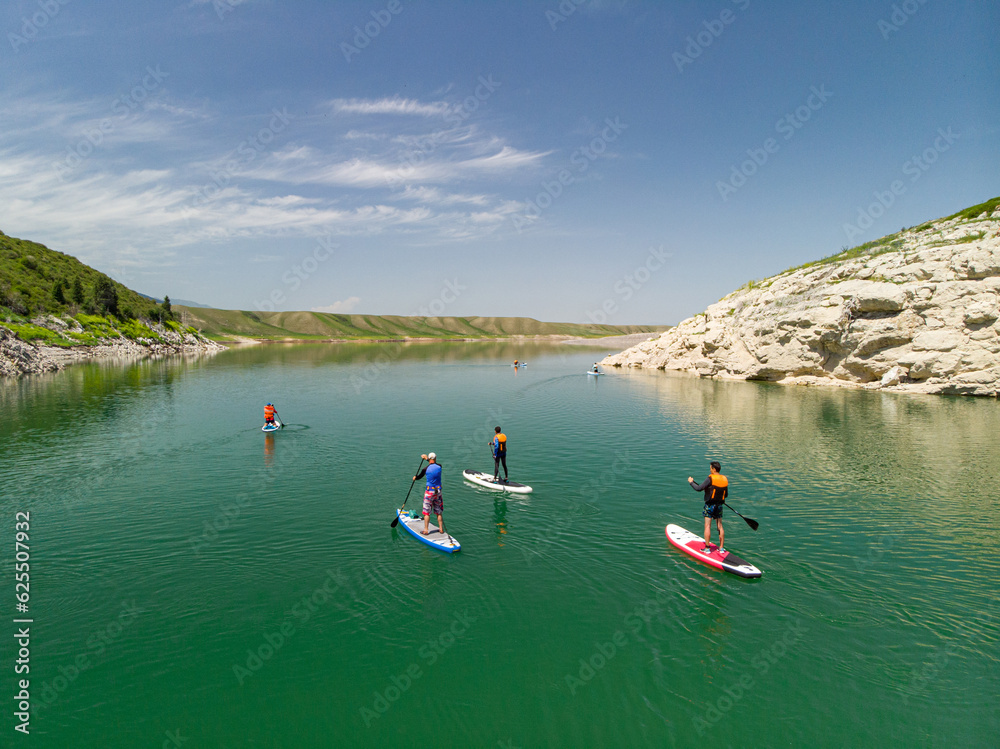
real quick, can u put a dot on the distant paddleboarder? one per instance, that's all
(269, 414)
(716, 488)
(499, 446)
(433, 502)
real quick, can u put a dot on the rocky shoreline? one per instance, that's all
(914, 312)
(18, 358)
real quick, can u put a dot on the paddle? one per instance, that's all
(278, 419)
(750, 521)
(395, 520)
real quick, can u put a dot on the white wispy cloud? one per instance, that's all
(309, 165)
(338, 308)
(436, 196)
(362, 135)
(140, 191)
(394, 105)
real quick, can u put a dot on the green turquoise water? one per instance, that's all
(192, 577)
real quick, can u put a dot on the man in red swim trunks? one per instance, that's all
(433, 502)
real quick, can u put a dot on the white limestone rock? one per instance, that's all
(921, 314)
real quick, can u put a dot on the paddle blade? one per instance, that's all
(752, 523)
(395, 522)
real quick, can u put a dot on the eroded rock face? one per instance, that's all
(20, 358)
(920, 314)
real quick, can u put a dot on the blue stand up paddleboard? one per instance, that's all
(271, 427)
(414, 524)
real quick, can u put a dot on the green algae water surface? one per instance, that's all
(195, 582)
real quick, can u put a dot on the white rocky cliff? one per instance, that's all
(917, 311)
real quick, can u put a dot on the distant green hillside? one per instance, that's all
(36, 280)
(227, 324)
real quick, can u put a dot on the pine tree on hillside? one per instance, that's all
(76, 293)
(106, 296)
(57, 292)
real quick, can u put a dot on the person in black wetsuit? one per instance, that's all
(716, 488)
(499, 445)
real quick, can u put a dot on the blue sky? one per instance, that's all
(603, 160)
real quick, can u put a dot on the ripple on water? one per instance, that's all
(873, 541)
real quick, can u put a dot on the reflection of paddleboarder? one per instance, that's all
(716, 488)
(499, 445)
(269, 450)
(433, 501)
(500, 519)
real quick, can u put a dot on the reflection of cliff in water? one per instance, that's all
(447, 352)
(105, 390)
(780, 442)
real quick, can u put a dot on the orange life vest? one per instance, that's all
(268, 412)
(719, 490)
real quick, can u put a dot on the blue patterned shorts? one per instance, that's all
(712, 511)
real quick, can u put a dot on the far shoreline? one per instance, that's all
(603, 342)
(21, 358)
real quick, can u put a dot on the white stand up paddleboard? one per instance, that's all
(415, 525)
(486, 479)
(595, 374)
(271, 427)
(691, 544)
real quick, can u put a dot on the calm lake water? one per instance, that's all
(194, 578)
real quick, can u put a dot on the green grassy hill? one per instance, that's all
(36, 280)
(227, 324)
(81, 305)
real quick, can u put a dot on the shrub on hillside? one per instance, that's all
(136, 329)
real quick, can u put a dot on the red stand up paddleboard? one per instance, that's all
(691, 544)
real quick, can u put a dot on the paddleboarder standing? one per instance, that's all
(499, 445)
(433, 503)
(269, 412)
(716, 488)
